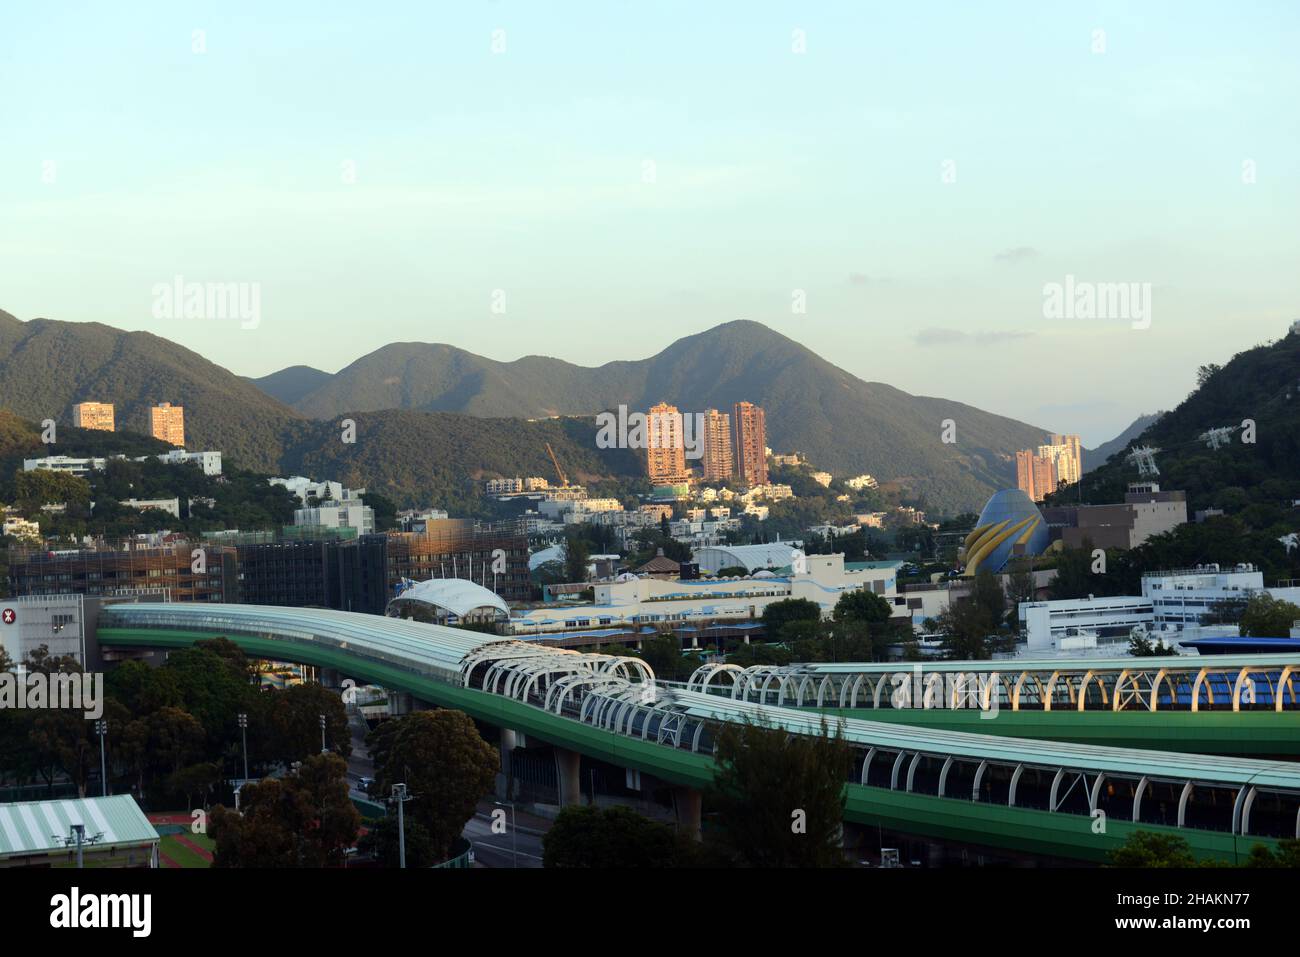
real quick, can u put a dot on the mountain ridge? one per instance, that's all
(841, 422)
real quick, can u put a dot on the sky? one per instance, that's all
(894, 185)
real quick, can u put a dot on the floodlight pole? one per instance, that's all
(243, 730)
(101, 728)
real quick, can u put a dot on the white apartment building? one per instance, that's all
(859, 482)
(327, 491)
(210, 462)
(822, 478)
(578, 510)
(63, 463)
(503, 486)
(20, 528)
(769, 493)
(1185, 596)
(172, 506)
(351, 513)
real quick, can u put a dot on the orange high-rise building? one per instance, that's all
(749, 443)
(719, 462)
(665, 446)
(167, 422)
(1035, 474)
(93, 415)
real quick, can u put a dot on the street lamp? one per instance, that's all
(514, 834)
(401, 797)
(243, 731)
(77, 836)
(323, 749)
(101, 729)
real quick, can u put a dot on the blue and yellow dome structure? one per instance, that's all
(1010, 525)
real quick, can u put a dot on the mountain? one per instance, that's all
(1093, 458)
(291, 385)
(1252, 476)
(441, 458)
(47, 366)
(838, 421)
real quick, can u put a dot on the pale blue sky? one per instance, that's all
(523, 171)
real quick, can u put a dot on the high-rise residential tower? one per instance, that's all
(93, 415)
(1035, 474)
(1066, 453)
(749, 443)
(719, 462)
(167, 422)
(665, 446)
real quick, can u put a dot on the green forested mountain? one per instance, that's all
(291, 385)
(441, 459)
(1255, 482)
(46, 367)
(839, 421)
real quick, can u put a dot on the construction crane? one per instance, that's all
(564, 479)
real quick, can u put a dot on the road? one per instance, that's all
(493, 849)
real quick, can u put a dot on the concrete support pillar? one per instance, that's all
(695, 641)
(399, 703)
(567, 764)
(329, 677)
(509, 741)
(688, 802)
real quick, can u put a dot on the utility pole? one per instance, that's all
(401, 797)
(323, 749)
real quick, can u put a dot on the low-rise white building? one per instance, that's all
(172, 506)
(351, 513)
(1047, 624)
(16, 526)
(633, 601)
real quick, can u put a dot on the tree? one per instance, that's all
(1148, 849)
(780, 796)
(966, 626)
(384, 843)
(158, 745)
(445, 764)
(862, 605)
(1020, 589)
(987, 594)
(614, 837)
(1140, 646)
(1074, 576)
(305, 819)
(294, 718)
(1286, 855)
(576, 556)
(779, 614)
(1267, 617)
